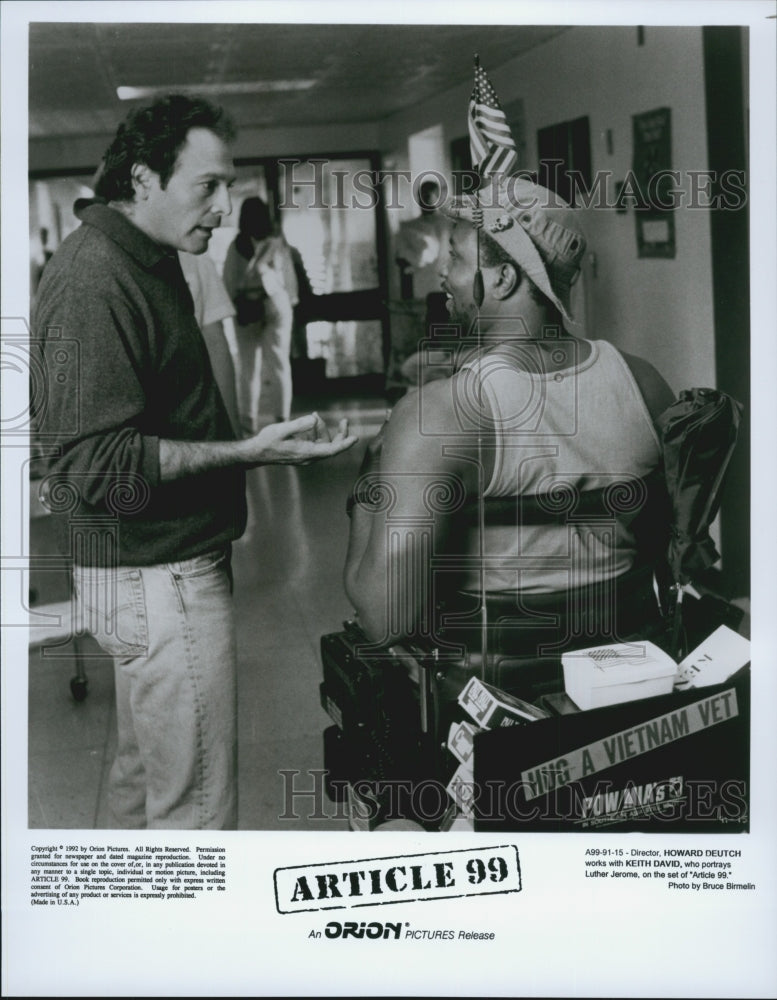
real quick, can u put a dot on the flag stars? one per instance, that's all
(491, 143)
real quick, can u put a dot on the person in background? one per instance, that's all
(212, 305)
(145, 452)
(303, 310)
(422, 245)
(260, 279)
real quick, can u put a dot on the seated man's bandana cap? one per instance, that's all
(537, 228)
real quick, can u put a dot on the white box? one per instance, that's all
(610, 675)
(461, 789)
(492, 708)
(714, 660)
(461, 741)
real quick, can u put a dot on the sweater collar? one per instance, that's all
(117, 227)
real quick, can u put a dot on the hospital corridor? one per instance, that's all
(276, 235)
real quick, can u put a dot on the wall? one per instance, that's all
(661, 309)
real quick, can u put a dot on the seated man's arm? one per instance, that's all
(424, 472)
(655, 390)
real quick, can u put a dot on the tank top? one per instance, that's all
(580, 428)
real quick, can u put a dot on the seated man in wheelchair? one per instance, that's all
(528, 411)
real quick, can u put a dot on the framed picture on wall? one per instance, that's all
(652, 163)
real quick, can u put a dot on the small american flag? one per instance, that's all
(490, 140)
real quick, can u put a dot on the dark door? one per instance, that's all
(563, 148)
(727, 148)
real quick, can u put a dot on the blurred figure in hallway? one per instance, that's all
(422, 249)
(260, 279)
(212, 305)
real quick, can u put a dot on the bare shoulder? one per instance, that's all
(421, 424)
(654, 388)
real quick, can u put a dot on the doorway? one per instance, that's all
(564, 153)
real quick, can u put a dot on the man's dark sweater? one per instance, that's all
(139, 373)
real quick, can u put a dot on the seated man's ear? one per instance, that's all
(506, 281)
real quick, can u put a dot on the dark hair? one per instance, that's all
(492, 254)
(153, 135)
(424, 199)
(255, 221)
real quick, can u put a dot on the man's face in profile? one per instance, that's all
(184, 213)
(458, 274)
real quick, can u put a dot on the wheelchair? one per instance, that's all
(387, 753)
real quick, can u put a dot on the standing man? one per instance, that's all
(143, 439)
(526, 407)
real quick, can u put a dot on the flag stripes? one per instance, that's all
(491, 142)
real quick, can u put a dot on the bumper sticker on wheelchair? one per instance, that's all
(628, 743)
(407, 878)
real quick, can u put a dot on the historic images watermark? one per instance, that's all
(666, 800)
(401, 189)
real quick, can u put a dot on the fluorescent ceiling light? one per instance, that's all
(241, 87)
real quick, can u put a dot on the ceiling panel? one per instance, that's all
(360, 72)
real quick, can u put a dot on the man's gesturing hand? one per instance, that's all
(296, 442)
